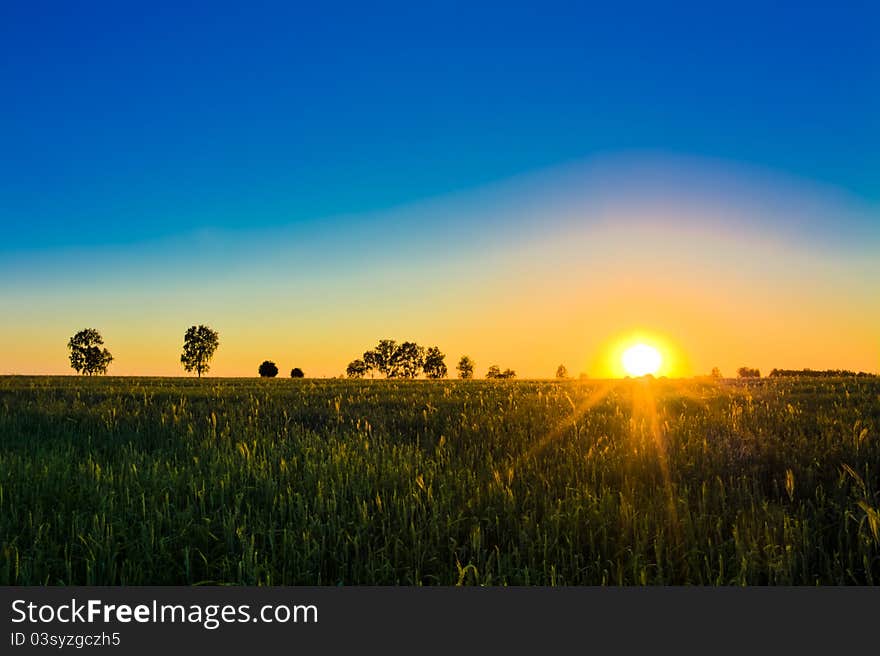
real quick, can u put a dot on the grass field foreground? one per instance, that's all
(139, 481)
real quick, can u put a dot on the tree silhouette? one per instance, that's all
(268, 369)
(382, 358)
(356, 369)
(435, 365)
(409, 358)
(199, 344)
(395, 360)
(817, 373)
(296, 372)
(496, 373)
(561, 371)
(748, 372)
(716, 372)
(86, 355)
(465, 368)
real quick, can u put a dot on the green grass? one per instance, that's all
(179, 481)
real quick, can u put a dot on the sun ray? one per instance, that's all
(644, 409)
(578, 410)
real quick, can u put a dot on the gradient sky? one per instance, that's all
(528, 183)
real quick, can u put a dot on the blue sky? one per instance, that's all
(218, 159)
(123, 121)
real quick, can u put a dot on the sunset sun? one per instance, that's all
(641, 359)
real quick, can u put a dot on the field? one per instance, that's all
(115, 481)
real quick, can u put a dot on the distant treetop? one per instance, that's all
(812, 373)
(495, 373)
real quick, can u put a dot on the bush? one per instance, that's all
(268, 369)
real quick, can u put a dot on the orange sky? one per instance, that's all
(729, 269)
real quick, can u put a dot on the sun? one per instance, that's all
(641, 352)
(641, 359)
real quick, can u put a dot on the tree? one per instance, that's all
(716, 372)
(296, 372)
(356, 369)
(435, 365)
(268, 369)
(86, 355)
(465, 368)
(821, 373)
(408, 359)
(496, 373)
(561, 371)
(199, 344)
(747, 372)
(382, 358)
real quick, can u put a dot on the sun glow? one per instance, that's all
(641, 359)
(640, 352)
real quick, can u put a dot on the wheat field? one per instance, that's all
(135, 481)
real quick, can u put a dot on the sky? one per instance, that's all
(526, 183)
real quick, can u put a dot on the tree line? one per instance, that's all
(407, 360)
(822, 373)
(89, 358)
(749, 372)
(388, 358)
